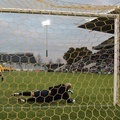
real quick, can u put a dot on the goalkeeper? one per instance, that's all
(54, 93)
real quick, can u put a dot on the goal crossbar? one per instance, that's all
(55, 12)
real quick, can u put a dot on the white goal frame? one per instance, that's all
(116, 17)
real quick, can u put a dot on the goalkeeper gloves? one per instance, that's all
(70, 91)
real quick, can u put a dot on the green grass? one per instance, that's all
(93, 94)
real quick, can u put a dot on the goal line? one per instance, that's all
(61, 106)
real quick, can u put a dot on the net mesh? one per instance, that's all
(76, 45)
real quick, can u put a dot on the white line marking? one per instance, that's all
(55, 106)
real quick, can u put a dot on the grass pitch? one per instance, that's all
(93, 94)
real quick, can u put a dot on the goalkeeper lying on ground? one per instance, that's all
(54, 93)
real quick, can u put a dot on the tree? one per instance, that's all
(59, 60)
(50, 61)
(39, 59)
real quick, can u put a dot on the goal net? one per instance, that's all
(45, 43)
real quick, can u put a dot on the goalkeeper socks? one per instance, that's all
(17, 94)
(21, 100)
(26, 93)
(23, 93)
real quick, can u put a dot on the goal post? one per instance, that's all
(116, 60)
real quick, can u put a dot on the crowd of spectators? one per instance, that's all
(103, 59)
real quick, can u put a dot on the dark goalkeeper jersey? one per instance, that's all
(59, 89)
(59, 92)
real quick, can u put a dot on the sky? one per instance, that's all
(95, 2)
(21, 33)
